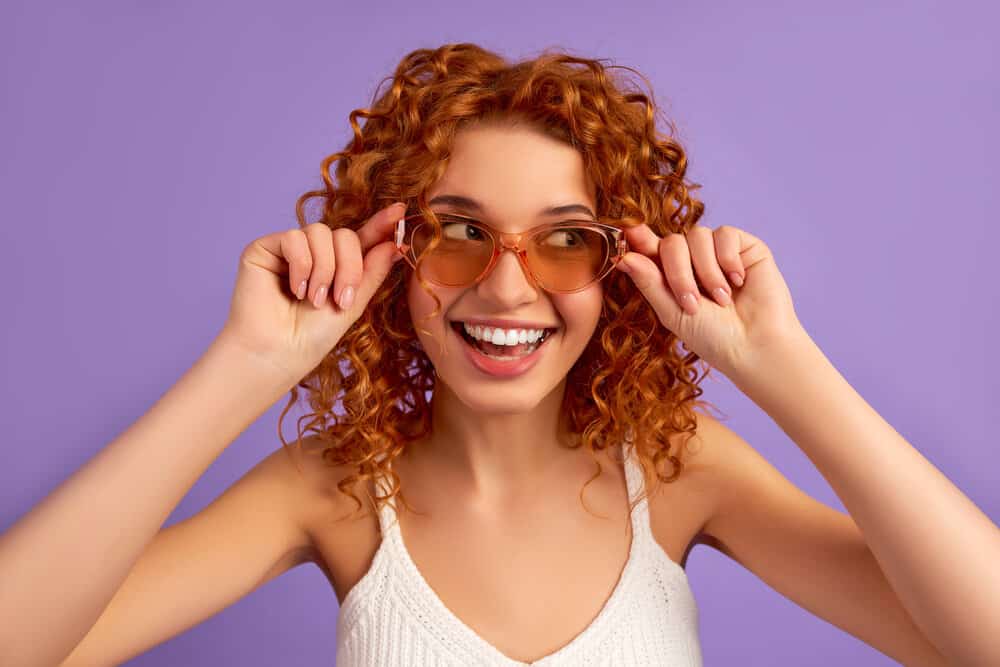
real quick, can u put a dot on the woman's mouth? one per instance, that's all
(501, 360)
(503, 353)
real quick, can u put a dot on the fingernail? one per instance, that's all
(691, 301)
(346, 297)
(301, 292)
(722, 296)
(736, 278)
(318, 299)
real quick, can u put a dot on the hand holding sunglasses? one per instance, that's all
(281, 309)
(731, 330)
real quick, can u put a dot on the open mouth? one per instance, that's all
(501, 352)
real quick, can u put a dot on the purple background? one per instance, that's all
(144, 146)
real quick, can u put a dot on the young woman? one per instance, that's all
(521, 424)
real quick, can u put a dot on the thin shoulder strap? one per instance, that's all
(386, 515)
(635, 483)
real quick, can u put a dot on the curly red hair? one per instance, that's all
(631, 381)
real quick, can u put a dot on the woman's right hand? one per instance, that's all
(269, 321)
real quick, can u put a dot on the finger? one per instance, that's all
(645, 273)
(701, 245)
(293, 246)
(727, 250)
(347, 277)
(320, 238)
(643, 240)
(376, 265)
(676, 260)
(380, 225)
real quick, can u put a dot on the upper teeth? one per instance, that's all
(503, 336)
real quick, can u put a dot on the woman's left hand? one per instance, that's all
(731, 332)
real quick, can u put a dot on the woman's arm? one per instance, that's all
(937, 549)
(63, 561)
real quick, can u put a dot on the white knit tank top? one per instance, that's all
(393, 617)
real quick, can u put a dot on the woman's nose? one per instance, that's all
(508, 283)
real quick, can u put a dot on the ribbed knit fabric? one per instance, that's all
(393, 617)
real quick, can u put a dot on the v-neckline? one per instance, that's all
(480, 647)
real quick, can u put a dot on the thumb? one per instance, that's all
(375, 268)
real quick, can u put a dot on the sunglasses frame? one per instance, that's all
(512, 241)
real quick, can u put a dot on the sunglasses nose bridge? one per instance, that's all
(510, 241)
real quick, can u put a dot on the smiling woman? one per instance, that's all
(523, 310)
(539, 362)
(510, 170)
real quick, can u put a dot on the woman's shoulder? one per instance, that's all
(680, 510)
(698, 452)
(311, 483)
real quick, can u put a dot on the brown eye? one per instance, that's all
(566, 237)
(460, 231)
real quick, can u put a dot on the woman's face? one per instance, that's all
(514, 173)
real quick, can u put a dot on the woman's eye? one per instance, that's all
(565, 238)
(460, 231)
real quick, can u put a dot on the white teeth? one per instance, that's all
(499, 336)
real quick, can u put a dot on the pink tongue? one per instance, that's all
(502, 350)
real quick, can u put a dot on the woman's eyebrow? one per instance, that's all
(468, 204)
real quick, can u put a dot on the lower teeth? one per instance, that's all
(506, 357)
(509, 357)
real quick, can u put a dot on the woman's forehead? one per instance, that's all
(514, 172)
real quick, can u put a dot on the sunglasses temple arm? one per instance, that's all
(400, 232)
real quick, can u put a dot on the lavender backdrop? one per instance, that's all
(144, 144)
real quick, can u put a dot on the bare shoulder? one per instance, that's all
(732, 477)
(700, 453)
(682, 511)
(312, 482)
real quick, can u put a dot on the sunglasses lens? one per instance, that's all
(563, 258)
(567, 258)
(460, 256)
